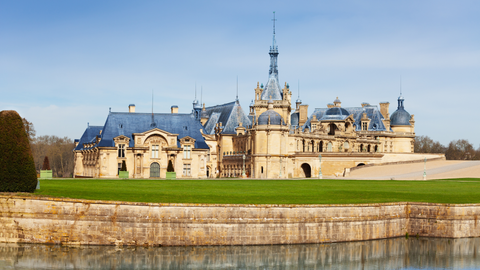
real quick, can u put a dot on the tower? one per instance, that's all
(281, 97)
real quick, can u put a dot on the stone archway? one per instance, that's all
(155, 170)
(307, 170)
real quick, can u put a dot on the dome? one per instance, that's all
(335, 113)
(275, 118)
(337, 100)
(294, 119)
(400, 118)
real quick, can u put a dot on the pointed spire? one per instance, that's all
(236, 99)
(274, 43)
(400, 98)
(272, 88)
(153, 118)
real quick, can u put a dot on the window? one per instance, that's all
(186, 169)
(155, 151)
(364, 126)
(121, 150)
(186, 151)
(329, 147)
(314, 127)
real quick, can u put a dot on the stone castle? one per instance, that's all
(270, 141)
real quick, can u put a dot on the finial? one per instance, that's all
(109, 109)
(274, 23)
(298, 89)
(237, 90)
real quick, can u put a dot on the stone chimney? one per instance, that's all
(131, 108)
(384, 109)
(174, 109)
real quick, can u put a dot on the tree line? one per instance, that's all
(58, 150)
(456, 149)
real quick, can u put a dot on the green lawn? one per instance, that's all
(266, 192)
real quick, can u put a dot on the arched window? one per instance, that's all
(329, 147)
(154, 169)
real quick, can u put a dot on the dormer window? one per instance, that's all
(364, 126)
(186, 151)
(121, 150)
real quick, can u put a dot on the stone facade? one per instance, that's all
(84, 222)
(270, 142)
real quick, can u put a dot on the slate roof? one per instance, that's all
(275, 118)
(400, 117)
(119, 123)
(229, 114)
(372, 112)
(89, 136)
(272, 89)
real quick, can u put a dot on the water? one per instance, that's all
(398, 253)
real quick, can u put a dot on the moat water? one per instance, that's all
(397, 253)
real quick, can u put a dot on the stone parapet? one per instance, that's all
(87, 222)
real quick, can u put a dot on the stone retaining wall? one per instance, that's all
(86, 222)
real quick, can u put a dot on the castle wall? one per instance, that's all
(86, 222)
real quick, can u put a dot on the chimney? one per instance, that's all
(174, 109)
(131, 108)
(384, 109)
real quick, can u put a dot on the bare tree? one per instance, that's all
(423, 144)
(60, 153)
(460, 150)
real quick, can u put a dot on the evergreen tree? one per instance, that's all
(124, 166)
(170, 166)
(17, 168)
(46, 164)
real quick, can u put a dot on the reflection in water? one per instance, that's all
(398, 253)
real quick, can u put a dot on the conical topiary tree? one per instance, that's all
(124, 166)
(46, 164)
(17, 168)
(170, 166)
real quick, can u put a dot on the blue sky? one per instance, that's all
(65, 63)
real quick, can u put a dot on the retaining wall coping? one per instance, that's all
(19, 197)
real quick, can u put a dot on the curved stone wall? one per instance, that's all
(86, 222)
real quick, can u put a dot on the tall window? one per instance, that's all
(187, 169)
(186, 151)
(364, 126)
(155, 151)
(121, 150)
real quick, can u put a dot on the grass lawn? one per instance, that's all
(266, 192)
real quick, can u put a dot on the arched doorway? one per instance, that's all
(307, 170)
(155, 170)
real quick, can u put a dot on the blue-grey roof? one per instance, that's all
(400, 118)
(335, 113)
(272, 89)
(373, 113)
(128, 123)
(275, 118)
(89, 136)
(294, 119)
(229, 114)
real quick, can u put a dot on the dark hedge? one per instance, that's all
(170, 166)
(17, 168)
